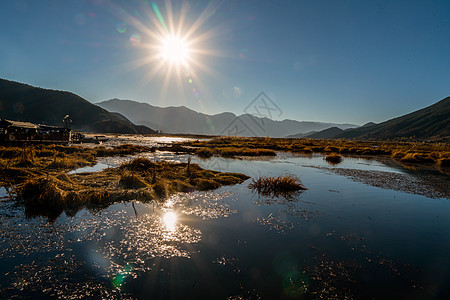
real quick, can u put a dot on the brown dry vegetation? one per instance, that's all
(420, 153)
(38, 175)
(140, 179)
(206, 152)
(333, 158)
(18, 163)
(277, 186)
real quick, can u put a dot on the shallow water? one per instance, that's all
(340, 238)
(150, 141)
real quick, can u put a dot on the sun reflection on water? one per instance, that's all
(170, 220)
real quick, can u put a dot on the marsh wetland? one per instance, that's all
(170, 222)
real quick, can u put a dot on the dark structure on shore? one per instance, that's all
(15, 131)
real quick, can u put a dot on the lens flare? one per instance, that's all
(121, 27)
(135, 40)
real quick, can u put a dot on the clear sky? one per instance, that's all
(334, 61)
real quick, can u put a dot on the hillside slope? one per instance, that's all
(23, 102)
(328, 133)
(430, 122)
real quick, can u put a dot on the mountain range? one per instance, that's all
(432, 122)
(184, 120)
(22, 102)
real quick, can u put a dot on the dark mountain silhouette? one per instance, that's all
(184, 120)
(23, 102)
(430, 122)
(300, 135)
(328, 133)
(369, 124)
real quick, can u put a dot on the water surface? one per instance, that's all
(339, 238)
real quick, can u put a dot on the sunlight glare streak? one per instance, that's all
(159, 15)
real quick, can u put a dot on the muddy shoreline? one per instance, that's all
(420, 183)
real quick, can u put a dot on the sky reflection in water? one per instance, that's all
(232, 242)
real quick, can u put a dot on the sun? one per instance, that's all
(174, 44)
(175, 50)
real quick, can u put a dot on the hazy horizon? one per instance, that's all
(339, 62)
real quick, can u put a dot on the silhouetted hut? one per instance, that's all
(15, 131)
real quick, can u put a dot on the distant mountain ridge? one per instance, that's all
(430, 122)
(19, 101)
(184, 120)
(326, 134)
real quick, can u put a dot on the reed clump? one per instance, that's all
(275, 186)
(236, 151)
(203, 184)
(333, 158)
(42, 191)
(444, 162)
(204, 152)
(132, 181)
(69, 162)
(416, 158)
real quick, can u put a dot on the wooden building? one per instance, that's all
(15, 131)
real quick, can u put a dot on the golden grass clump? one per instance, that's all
(26, 158)
(444, 162)
(162, 189)
(132, 181)
(331, 149)
(203, 184)
(204, 152)
(139, 164)
(42, 192)
(10, 152)
(69, 162)
(182, 186)
(126, 149)
(416, 158)
(333, 158)
(398, 154)
(274, 186)
(236, 151)
(307, 150)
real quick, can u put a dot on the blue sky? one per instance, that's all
(333, 61)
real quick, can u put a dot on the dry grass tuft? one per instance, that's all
(236, 151)
(139, 164)
(205, 184)
(416, 158)
(275, 186)
(444, 162)
(132, 181)
(333, 158)
(162, 189)
(204, 152)
(42, 191)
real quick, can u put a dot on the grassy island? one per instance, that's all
(38, 175)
